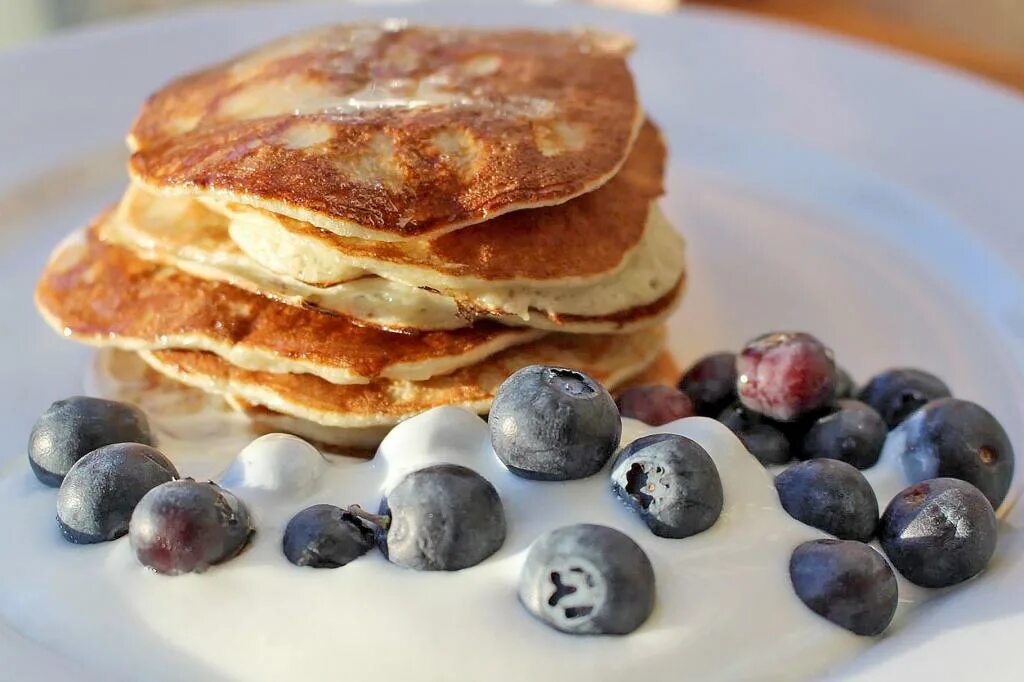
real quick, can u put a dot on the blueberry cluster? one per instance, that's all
(782, 395)
(113, 482)
(784, 398)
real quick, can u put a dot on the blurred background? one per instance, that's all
(982, 36)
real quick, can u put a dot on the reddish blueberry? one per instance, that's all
(784, 375)
(655, 405)
(187, 526)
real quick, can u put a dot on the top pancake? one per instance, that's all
(575, 243)
(390, 132)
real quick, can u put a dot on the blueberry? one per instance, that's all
(845, 582)
(187, 526)
(71, 428)
(443, 517)
(671, 482)
(553, 424)
(956, 439)
(854, 434)
(325, 536)
(831, 496)
(654, 405)
(711, 383)
(784, 375)
(896, 393)
(845, 387)
(762, 438)
(939, 533)
(588, 580)
(101, 490)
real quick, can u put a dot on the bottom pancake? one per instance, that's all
(611, 359)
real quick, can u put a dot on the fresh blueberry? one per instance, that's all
(939, 533)
(711, 383)
(443, 517)
(74, 427)
(325, 536)
(671, 482)
(553, 424)
(854, 434)
(845, 387)
(760, 436)
(588, 580)
(187, 526)
(101, 490)
(846, 582)
(896, 393)
(655, 405)
(956, 439)
(784, 375)
(831, 496)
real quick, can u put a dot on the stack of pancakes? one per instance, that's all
(347, 227)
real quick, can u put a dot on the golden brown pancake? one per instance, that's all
(611, 359)
(571, 244)
(197, 244)
(392, 132)
(104, 295)
(128, 378)
(186, 413)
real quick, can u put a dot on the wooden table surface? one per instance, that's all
(985, 37)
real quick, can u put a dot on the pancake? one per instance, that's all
(611, 359)
(186, 413)
(180, 232)
(184, 234)
(392, 132)
(576, 243)
(104, 295)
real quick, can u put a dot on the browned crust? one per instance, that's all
(185, 140)
(472, 386)
(587, 236)
(107, 295)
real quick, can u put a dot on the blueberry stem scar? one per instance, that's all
(383, 522)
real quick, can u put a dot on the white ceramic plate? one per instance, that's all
(871, 198)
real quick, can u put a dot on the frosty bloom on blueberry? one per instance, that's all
(956, 439)
(100, 492)
(553, 424)
(939, 533)
(443, 517)
(74, 427)
(671, 482)
(784, 375)
(588, 580)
